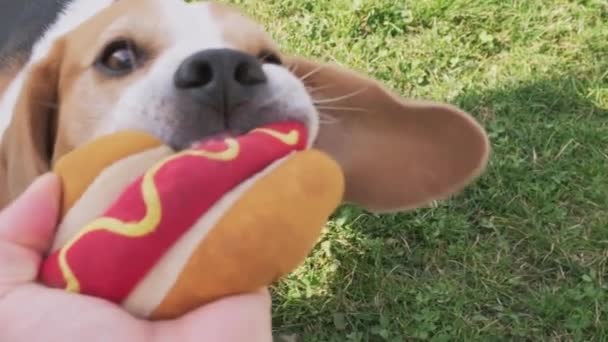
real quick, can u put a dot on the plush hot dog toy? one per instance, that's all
(162, 232)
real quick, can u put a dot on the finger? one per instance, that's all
(30, 221)
(26, 228)
(18, 265)
(239, 318)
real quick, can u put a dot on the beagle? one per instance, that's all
(74, 70)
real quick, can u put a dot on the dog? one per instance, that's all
(74, 70)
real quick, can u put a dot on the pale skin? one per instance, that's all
(32, 312)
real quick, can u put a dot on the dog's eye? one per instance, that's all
(119, 58)
(269, 57)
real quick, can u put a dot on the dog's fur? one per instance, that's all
(396, 154)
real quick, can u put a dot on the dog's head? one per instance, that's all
(185, 71)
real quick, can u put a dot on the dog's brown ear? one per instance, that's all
(28, 142)
(396, 154)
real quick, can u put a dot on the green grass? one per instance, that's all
(520, 255)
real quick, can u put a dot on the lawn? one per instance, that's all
(520, 255)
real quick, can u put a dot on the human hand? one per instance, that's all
(32, 312)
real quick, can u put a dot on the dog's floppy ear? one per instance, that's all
(28, 142)
(396, 154)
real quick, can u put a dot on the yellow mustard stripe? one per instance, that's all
(291, 138)
(151, 218)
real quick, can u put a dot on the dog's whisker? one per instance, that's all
(311, 73)
(340, 98)
(344, 109)
(327, 119)
(319, 88)
(293, 68)
(328, 122)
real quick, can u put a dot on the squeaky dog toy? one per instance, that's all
(163, 232)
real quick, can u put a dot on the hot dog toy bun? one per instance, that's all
(222, 218)
(79, 168)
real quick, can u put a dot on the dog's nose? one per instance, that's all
(221, 78)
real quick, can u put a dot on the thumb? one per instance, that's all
(30, 221)
(26, 230)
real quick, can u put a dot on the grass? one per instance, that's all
(520, 255)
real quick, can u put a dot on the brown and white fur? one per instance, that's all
(397, 154)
